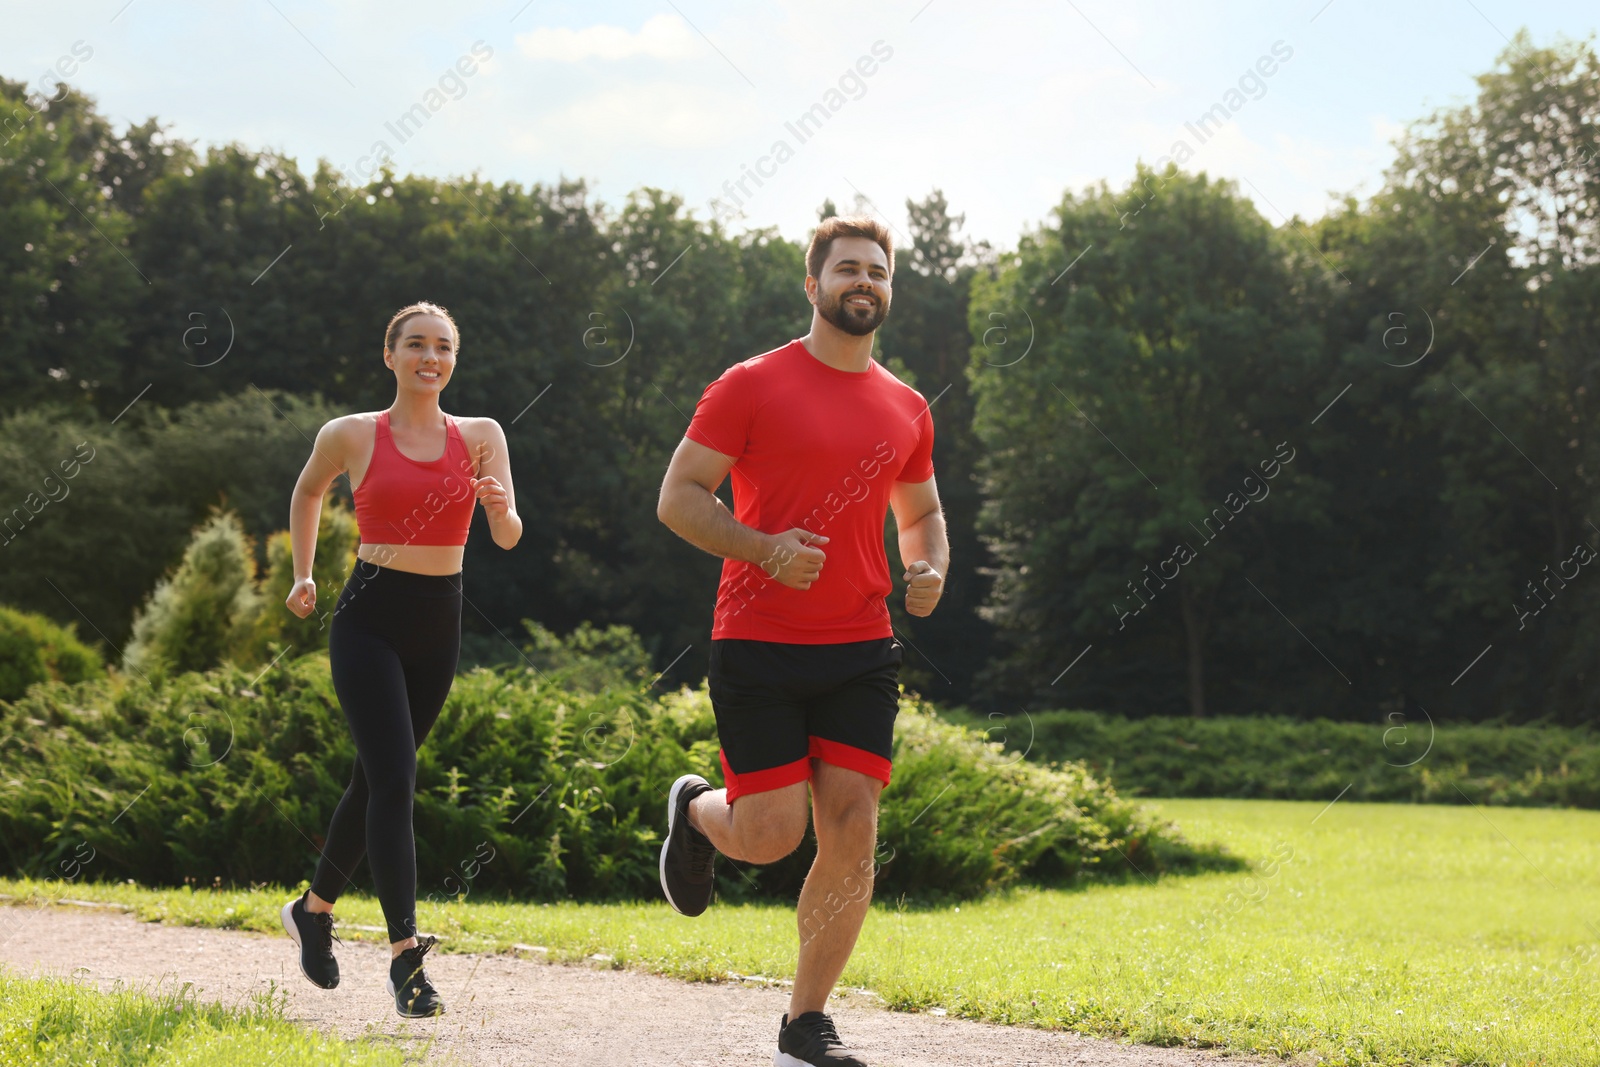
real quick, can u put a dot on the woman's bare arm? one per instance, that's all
(328, 460)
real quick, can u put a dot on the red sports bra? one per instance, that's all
(402, 501)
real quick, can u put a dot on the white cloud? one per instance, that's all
(1003, 105)
(662, 37)
(659, 114)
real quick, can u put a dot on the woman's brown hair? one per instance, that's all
(423, 307)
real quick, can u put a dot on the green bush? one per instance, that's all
(524, 789)
(1290, 759)
(204, 610)
(36, 649)
(588, 658)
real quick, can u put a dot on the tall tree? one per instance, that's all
(69, 278)
(1482, 248)
(1133, 448)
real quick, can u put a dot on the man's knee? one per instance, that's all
(847, 812)
(853, 824)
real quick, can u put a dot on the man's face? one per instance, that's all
(853, 292)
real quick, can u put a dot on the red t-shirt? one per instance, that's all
(817, 448)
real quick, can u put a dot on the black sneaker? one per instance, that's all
(687, 854)
(313, 932)
(811, 1041)
(414, 996)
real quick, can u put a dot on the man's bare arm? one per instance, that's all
(924, 545)
(688, 505)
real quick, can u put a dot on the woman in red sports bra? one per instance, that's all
(395, 639)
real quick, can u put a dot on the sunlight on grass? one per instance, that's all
(54, 1022)
(1365, 934)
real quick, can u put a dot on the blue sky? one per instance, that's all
(1003, 105)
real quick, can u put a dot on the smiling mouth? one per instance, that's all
(428, 376)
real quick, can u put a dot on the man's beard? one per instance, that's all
(857, 322)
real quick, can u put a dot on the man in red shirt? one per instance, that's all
(821, 441)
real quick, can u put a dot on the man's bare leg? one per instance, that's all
(838, 889)
(758, 828)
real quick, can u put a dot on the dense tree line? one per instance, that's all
(236, 303)
(1193, 461)
(1340, 468)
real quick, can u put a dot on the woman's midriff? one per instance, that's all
(418, 559)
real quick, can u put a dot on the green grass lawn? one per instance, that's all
(53, 1022)
(1367, 934)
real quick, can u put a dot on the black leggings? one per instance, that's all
(394, 645)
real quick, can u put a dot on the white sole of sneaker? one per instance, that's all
(286, 913)
(672, 817)
(783, 1059)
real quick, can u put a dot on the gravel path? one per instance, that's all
(506, 1010)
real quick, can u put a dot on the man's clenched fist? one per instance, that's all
(795, 561)
(924, 585)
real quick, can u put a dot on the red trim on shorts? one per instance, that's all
(851, 758)
(763, 781)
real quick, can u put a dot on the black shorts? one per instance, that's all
(779, 705)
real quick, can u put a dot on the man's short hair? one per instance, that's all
(837, 226)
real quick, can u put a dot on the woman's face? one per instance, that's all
(424, 354)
